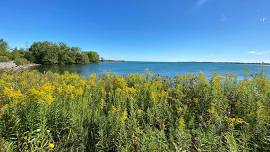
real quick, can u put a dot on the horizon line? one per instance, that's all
(233, 62)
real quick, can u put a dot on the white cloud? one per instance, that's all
(254, 52)
(200, 2)
(263, 19)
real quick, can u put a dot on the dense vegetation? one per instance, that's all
(41, 112)
(47, 53)
(60, 53)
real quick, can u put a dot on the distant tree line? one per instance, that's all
(48, 53)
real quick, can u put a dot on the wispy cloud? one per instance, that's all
(255, 52)
(252, 52)
(199, 3)
(264, 20)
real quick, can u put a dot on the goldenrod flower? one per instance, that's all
(43, 93)
(51, 145)
(79, 91)
(124, 116)
(12, 94)
(113, 109)
(181, 122)
(69, 89)
(235, 121)
(120, 82)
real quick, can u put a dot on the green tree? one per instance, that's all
(3, 47)
(66, 55)
(93, 56)
(19, 56)
(50, 56)
(45, 52)
(39, 50)
(17, 53)
(59, 53)
(82, 58)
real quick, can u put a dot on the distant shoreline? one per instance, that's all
(235, 63)
(200, 62)
(109, 60)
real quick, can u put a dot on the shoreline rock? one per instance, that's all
(12, 66)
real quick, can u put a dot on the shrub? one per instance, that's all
(4, 59)
(21, 61)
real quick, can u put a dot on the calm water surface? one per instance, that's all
(162, 68)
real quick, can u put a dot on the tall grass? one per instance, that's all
(139, 112)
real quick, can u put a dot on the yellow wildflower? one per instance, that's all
(235, 121)
(163, 94)
(102, 103)
(154, 96)
(120, 82)
(179, 109)
(113, 109)
(202, 79)
(124, 116)
(129, 90)
(92, 80)
(69, 89)
(24, 83)
(12, 94)
(43, 94)
(79, 91)
(2, 109)
(217, 84)
(47, 87)
(60, 90)
(51, 145)
(181, 122)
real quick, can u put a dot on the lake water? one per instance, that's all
(162, 68)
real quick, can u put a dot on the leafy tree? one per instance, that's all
(93, 56)
(50, 56)
(29, 56)
(65, 54)
(45, 52)
(82, 58)
(39, 50)
(19, 56)
(3, 47)
(59, 53)
(17, 53)
(102, 59)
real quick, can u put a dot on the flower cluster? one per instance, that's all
(138, 112)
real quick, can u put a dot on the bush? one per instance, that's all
(4, 59)
(21, 61)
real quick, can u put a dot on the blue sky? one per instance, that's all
(145, 30)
